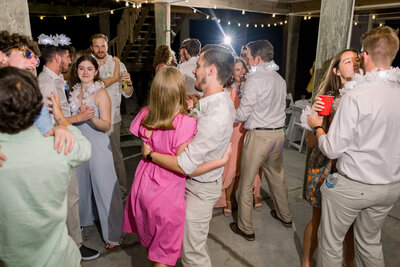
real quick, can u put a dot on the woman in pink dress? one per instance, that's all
(231, 174)
(155, 208)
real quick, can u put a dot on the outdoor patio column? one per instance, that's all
(292, 52)
(333, 35)
(162, 13)
(15, 16)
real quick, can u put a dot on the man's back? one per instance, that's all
(33, 199)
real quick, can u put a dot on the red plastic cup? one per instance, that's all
(328, 100)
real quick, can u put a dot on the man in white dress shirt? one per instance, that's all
(189, 53)
(262, 108)
(214, 131)
(99, 47)
(57, 59)
(364, 137)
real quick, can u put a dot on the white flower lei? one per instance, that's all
(87, 95)
(55, 40)
(263, 66)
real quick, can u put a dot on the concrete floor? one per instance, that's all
(275, 245)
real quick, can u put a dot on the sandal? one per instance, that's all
(110, 246)
(257, 203)
(228, 209)
(275, 216)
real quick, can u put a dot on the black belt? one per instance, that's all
(260, 128)
(190, 178)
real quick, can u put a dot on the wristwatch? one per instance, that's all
(316, 128)
(149, 157)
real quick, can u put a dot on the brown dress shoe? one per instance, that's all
(235, 228)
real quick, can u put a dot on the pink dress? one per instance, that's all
(232, 167)
(155, 209)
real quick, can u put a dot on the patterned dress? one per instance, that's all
(318, 168)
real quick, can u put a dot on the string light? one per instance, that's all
(238, 24)
(112, 12)
(134, 5)
(285, 21)
(255, 25)
(373, 16)
(194, 10)
(208, 16)
(281, 23)
(41, 17)
(126, 3)
(309, 17)
(87, 15)
(269, 25)
(139, 5)
(243, 12)
(215, 7)
(229, 23)
(274, 24)
(305, 17)
(219, 20)
(65, 17)
(262, 25)
(117, 1)
(247, 25)
(355, 23)
(273, 15)
(380, 24)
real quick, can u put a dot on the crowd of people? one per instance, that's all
(213, 126)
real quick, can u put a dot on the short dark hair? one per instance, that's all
(75, 79)
(20, 100)
(221, 58)
(192, 46)
(262, 48)
(9, 41)
(98, 36)
(381, 43)
(49, 51)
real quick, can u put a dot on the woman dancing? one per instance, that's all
(97, 180)
(342, 68)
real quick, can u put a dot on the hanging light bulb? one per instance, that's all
(262, 25)
(355, 23)
(194, 10)
(309, 17)
(215, 7)
(380, 24)
(219, 21)
(373, 16)
(229, 23)
(134, 5)
(238, 24)
(269, 25)
(255, 25)
(208, 16)
(285, 21)
(87, 15)
(112, 12)
(274, 24)
(139, 5)
(117, 1)
(41, 17)
(247, 25)
(281, 23)
(65, 17)
(273, 15)
(305, 17)
(243, 12)
(126, 3)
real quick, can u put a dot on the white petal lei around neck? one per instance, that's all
(87, 95)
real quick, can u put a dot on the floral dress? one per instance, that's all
(318, 168)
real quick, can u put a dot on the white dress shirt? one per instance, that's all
(187, 69)
(365, 132)
(263, 99)
(50, 82)
(115, 89)
(214, 131)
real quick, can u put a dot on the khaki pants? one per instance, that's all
(115, 141)
(262, 148)
(364, 204)
(200, 200)
(73, 222)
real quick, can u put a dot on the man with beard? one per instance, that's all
(99, 47)
(214, 131)
(56, 54)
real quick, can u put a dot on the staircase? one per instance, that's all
(136, 39)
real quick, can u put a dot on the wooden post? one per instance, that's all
(292, 52)
(15, 16)
(162, 12)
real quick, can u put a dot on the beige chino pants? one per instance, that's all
(73, 221)
(262, 148)
(364, 204)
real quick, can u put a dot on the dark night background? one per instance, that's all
(80, 28)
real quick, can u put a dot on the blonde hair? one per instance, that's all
(167, 99)
(381, 44)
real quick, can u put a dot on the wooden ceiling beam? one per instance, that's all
(247, 5)
(48, 9)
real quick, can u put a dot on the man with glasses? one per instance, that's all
(364, 137)
(22, 52)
